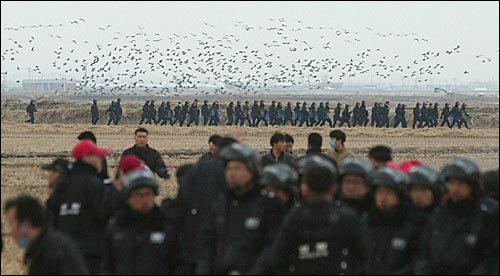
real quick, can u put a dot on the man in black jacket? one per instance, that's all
(194, 114)
(375, 117)
(47, 252)
(213, 141)
(94, 111)
(455, 113)
(118, 112)
(200, 186)
(416, 116)
(425, 192)
(445, 115)
(81, 205)
(318, 237)
(139, 239)
(277, 154)
(112, 112)
(390, 233)
(177, 114)
(145, 112)
(31, 109)
(243, 222)
(204, 112)
(462, 235)
(246, 114)
(150, 156)
(230, 114)
(364, 114)
(103, 174)
(161, 113)
(184, 112)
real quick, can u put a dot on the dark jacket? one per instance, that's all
(461, 239)
(285, 157)
(359, 206)
(238, 111)
(161, 112)
(139, 244)
(118, 110)
(336, 113)
(321, 154)
(54, 253)
(204, 110)
(194, 112)
(391, 242)
(31, 108)
(204, 182)
(445, 113)
(319, 238)
(230, 111)
(151, 157)
(94, 110)
(81, 207)
(240, 231)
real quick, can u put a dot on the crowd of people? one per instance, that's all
(241, 212)
(258, 114)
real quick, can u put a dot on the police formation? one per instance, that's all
(236, 214)
(301, 114)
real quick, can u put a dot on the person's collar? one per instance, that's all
(137, 146)
(274, 156)
(243, 192)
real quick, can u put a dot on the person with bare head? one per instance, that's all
(48, 252)
(213, 141)
(278, 152)
(150, 156)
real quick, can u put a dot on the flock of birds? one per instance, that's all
(127, 60)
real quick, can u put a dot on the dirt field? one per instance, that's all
(24, 148)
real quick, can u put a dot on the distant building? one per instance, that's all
(48, 85)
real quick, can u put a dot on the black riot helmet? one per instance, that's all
(462, 168)
(280, 176)
(389, 177)
(243, 153)
(355, 165)
(318, 172)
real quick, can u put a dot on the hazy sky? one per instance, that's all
(472, 25)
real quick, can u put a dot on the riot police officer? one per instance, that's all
(462, 235)
(230, 114)
(318, 237)
(94, 111)
(243, 221)
(390, 232)
(31, 109)
(355, 192)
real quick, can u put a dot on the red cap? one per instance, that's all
(129, 163)
(86, 147)
(406, 165)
